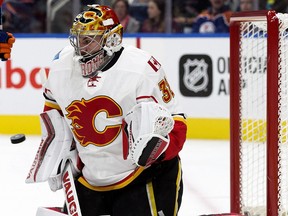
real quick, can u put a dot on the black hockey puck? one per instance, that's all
(18, 138)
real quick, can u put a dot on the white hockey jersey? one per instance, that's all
(94, 108)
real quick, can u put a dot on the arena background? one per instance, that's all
(198, 74)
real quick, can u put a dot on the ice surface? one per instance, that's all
(205, 173)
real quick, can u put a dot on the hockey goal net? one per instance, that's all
(259, 113)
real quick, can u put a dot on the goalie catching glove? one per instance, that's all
(147, 127)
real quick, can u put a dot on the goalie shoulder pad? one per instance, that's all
(55, 146)
(148, 126)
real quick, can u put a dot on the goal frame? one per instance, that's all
(272, 105)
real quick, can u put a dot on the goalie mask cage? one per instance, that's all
(259, 113)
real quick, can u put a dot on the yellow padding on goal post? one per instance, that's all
(254, 130)
(198, 128)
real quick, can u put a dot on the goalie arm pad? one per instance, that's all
(55, 148)
(147, 129)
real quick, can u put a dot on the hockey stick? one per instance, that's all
(1, 24)
(49, 211)
(71, 198)
(3, 35)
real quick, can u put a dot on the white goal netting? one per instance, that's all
(254, 57)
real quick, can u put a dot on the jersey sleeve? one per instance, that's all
(49, 100)
(61, 61)
(155, 87)
(50, 103)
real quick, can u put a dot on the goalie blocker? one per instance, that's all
(146, 128)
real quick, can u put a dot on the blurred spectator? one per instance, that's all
(140, 1)
(138, 11)
(129, 23)
(245, 5)
(185, 12)
(213, 20)
(279, 6)
(19, 17)
(156, 14)
(39, 11)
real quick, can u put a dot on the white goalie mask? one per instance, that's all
(96, 34)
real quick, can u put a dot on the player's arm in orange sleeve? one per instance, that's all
(6, 42)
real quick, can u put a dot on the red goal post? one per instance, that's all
(259, 113)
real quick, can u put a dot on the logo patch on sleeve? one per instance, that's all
(154, 64)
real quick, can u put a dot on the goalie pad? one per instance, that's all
(55, 149)
(50, 211)
(147, 127)
(55, 181)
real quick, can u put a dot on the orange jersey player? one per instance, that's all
(6, 42)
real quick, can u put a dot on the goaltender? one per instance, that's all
(113, 103)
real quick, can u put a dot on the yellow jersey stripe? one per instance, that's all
(178, 180)
(180, 119)
(115, 186)
(151, 198)
(52, 105)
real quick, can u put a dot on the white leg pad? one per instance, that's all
(48, 211)
(55, 146)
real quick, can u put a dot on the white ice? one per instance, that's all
(205, 174)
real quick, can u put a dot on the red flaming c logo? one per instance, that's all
(83, 116)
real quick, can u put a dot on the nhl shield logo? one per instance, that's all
(195, 75)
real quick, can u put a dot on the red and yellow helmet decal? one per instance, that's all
(97, 18)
